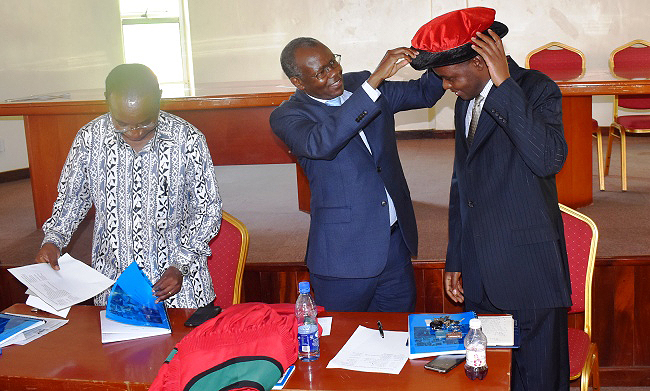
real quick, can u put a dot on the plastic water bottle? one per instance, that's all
(308, 343)
(475, 345)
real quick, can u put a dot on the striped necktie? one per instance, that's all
(476, 113)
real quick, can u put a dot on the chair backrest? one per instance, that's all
(557, 60)
(581, 236)
(226, 264)
(631, 61)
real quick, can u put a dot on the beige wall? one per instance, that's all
(52, 46)
(49, 46)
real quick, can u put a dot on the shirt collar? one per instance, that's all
(334, 101)
(486, 88)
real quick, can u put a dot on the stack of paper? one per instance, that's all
(367, 351)
(132, 311)
(13, 326)
(55, 291)
(38, 328)
(499, 330)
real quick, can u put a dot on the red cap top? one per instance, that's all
(453, 29)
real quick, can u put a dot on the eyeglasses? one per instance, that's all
(324, 71)
(139, 127)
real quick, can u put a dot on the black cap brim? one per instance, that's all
(426, 60)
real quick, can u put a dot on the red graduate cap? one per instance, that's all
(446, 39)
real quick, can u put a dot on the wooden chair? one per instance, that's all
(581, 240)
(629, 61)
(226, 264)
(562, 62)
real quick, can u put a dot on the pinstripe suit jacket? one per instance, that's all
(505, 228)
(350, 229)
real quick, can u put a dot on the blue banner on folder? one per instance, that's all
(131, 300)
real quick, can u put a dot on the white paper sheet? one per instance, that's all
(50, 324)
(499, 330)
(72, 284)
(113, 331)
(37, 302)
(326, 324)
(367, 351)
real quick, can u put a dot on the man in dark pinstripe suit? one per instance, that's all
(506, 251)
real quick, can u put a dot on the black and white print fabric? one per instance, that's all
(158, 207)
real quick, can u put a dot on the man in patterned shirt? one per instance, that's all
(150, 176)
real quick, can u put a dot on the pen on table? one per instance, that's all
(381, 328)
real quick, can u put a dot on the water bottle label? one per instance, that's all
(476, 358)
(308, 338)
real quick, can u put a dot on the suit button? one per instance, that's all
(378, 168)
(384, 203)
(470, 204)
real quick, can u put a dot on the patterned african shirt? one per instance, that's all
(158, 207)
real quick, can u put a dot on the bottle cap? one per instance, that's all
(475, 323)
(303, 287)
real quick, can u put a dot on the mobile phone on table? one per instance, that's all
(445, 363)
(203, 314)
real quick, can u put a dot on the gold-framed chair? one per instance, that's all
(226, 264)
(629, 61)
(581, 236)
(562, 62)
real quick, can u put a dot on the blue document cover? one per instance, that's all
(131, 301)
(446, 337)
(11, 325)
(284, 379)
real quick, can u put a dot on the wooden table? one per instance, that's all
(73, 358)
(574, 182)
(314, 376)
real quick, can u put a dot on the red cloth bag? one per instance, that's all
(247, 347)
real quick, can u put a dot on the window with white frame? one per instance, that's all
(156, 33)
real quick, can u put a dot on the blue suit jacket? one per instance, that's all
(350, 228)
(505, 227)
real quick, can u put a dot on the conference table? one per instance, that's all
(234, 118)
(574, 182)
(73, 358)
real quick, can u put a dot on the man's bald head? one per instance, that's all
(132, 80)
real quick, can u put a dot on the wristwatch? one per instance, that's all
(184, 269)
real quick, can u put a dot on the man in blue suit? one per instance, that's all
(506, 238)
(342, 129)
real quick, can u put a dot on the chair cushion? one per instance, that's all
(635, 102)
(578, 349)
(632, 122)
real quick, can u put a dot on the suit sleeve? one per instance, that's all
(413, 94)
(532, 121)
(317, 132)
(452, 263)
